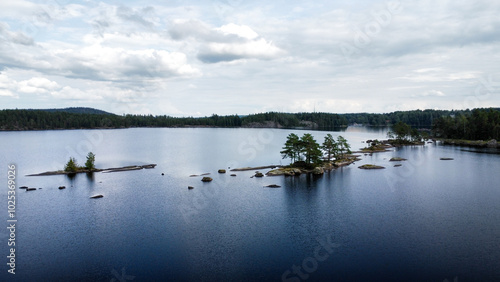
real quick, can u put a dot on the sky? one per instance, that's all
(197, 58)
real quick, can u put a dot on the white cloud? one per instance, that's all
(239, 30)
(253, 56)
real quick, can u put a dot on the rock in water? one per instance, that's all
(259, 174)
(233, 174)
(318, 171)
(206, 179)
(370, 166)
(62, 187)
(396, 159)
(273, 186)
(97, 196)
(190, 187)
(221, 171)
(446, 159)
(30, 189)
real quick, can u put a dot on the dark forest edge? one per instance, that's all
(477, 124)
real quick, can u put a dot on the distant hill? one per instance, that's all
(76, 110)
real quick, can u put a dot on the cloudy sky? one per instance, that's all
(195, 58)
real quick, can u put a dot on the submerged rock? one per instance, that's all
(396, 159)
(233, 174)
(273, 186)
(397, 165)
(446, 159)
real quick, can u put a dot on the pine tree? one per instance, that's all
(329, 146)
(89, 164)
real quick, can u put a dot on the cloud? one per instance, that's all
(13, 37)
(430, 93)
(226, 43)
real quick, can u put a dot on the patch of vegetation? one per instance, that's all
(305, 152)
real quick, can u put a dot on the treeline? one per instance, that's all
(289, 120)
(41, 120)
(416, 118)
(478, 124)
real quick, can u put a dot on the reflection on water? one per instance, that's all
(427, 220)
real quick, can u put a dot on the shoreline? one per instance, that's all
(469, 143)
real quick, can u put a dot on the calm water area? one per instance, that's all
(428, 220)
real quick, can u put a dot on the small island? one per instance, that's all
(371, 166)
(72, 168)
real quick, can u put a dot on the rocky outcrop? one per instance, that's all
(370, 166)
(284, 171)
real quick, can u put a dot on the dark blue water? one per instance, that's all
(428, 220)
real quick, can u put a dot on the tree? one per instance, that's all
(343, 146)
(311, 149)
(329, 146)
(71, 165)
(89, 164)
(292, 147)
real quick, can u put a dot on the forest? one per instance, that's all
(465, 124)
(478, 124)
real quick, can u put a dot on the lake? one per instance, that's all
(428, 220)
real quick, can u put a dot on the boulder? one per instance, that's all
(221, 171)
(492, 143)
(62, 187)
(190, 187)
(206, 179)
(318, 171)
(259, 174)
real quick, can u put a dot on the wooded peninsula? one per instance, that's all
(476, 124)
